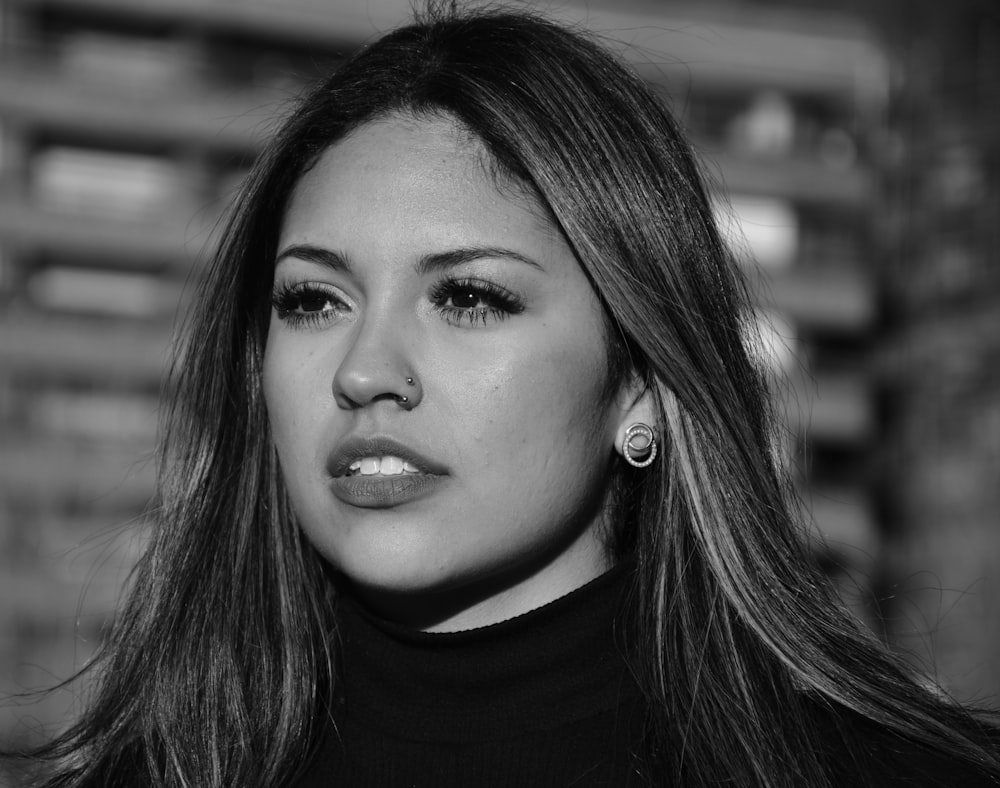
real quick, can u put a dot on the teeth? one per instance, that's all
(384, 466)
(391, 466)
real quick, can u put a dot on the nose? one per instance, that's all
(377, 367)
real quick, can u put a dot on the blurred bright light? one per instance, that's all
(102, 292)
(772, 341)
(762, 228)
(117, 185)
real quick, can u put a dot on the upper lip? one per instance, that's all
(359, 446)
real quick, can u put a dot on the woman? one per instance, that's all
(469, 477)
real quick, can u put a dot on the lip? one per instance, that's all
(381, 492)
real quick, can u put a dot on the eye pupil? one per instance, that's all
(465, 299)
(474, 302)
(313, 303)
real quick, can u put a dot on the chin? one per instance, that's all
(418, 584)
(395, 566)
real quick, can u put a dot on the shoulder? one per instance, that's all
(881, 757)
(907, 764)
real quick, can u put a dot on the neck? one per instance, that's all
(489, 599)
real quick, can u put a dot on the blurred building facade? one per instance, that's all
(855, 158)
(941, 344)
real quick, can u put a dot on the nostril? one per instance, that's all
(375, 367)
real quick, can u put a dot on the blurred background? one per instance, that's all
(854, 147)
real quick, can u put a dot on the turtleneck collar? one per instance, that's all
(552, 666)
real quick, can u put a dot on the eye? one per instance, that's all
(308, 304)
(474, 301)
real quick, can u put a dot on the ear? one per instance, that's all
(637, 405)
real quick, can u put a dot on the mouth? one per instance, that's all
(379, 455)
(387, 465)
(380, 472)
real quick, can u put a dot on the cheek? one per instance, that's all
(549, 410)
(276, 387)
(291, 393)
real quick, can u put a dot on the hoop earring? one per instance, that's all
(636, 456)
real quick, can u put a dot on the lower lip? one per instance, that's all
(383, 492)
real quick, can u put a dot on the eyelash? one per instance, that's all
(287, 300)
(498, 303)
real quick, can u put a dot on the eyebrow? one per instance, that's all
(428, 263)
(442, 261)
(316, 254)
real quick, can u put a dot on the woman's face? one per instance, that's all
(480, 495)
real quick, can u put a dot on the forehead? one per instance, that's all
(427, 169)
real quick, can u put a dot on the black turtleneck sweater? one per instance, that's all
(542, 699)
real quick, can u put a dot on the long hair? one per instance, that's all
(218, 671)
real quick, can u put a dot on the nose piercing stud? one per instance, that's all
(402, 399)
